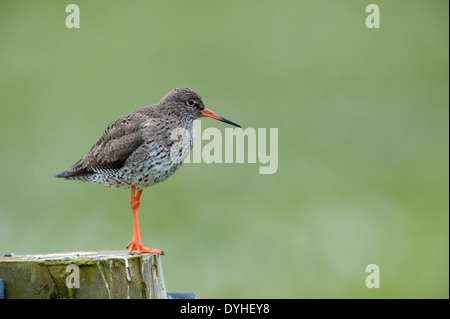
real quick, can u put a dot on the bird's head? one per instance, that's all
(191, 103)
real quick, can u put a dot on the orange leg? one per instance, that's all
(136, 242)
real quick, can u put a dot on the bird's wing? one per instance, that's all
(120, 139)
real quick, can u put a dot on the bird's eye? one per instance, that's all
(191, 102)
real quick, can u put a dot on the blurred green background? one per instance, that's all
(362, 118)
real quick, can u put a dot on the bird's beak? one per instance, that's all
(208, 113)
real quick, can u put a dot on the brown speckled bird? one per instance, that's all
(143, 148)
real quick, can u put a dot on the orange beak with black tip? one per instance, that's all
(208, 113)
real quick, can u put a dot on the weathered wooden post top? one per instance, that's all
(75, 275)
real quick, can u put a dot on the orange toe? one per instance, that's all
(141, 249)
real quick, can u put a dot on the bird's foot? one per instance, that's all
(133, 245)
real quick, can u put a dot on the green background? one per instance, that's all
(362, 118)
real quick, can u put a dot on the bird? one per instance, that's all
(143, 148)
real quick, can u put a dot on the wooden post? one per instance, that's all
(77, 275)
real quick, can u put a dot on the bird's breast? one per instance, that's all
(159, 157)
(164, 147)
